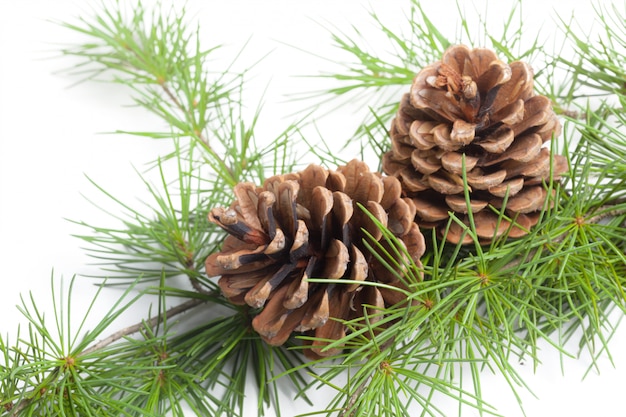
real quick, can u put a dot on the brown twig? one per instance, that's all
(610, 212)
(572, 114)
(168, 92)
(190, 265)
(352, 400)
(127, 331)
(197, 285)
(599, 217)
(357, 393)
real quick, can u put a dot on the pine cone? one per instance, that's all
(472, 106)
(307, 225)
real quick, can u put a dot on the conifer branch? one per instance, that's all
(469, 303)
(28, 398)
(149, 324)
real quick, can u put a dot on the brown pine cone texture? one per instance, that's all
(471, 105)
(308, 225)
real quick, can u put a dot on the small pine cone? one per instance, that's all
(307, 225)
(471, 105)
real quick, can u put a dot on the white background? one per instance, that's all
(50, 138)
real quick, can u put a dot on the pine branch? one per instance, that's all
(534, 287)
(150, 324)
(472, 306)
(606, 211)
(358, 392)
(143, 325)
(145, 51)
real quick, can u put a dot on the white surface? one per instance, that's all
(49, 140)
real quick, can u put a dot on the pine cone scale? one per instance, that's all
(277, 245)
(495, 73)
(524, 149)
(401, 216)
(453, 162)
(463, 133)
(248, 203)
(318, 312)
(498, 141)
(478, 180)
(298, 292)
(511, 114)
(230, 220)
(266, 216)
(286, 206)
(519, 86)
(273, 318)
(392, 192)
(339, 306)
(359, 269)
(320, 206)
(364, 221)
(510, 188)
(336, 260)
(458, 204)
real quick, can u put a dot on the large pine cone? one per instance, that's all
(472, 106)
(307, 225)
